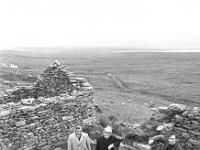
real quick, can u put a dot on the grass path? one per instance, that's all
(118, 83)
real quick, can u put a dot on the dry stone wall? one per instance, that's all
(44, 114)
(182, 120)
(55, 80)
(178, 119)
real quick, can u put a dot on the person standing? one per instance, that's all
(79, 140)
(107, 141)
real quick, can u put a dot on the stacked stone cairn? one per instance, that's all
(181, 120)
(43, 115)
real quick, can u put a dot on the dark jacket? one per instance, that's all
(103, 143)
(167, 146)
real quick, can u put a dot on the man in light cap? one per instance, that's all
(107, 141)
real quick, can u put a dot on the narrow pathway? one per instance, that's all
(118, 82)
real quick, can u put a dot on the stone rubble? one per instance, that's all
(178, 119)
(182, 120)
(42, 115)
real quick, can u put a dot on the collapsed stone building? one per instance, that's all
(44, 114)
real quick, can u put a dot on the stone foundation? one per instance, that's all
(44, 114)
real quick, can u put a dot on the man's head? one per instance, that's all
(107, 132)
(172, 139)
(78, 131)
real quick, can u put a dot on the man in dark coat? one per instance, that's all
(107, 141)
(170, 144)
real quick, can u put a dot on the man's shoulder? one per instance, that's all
(100, 138)
(113, 137)
(71, 135)
(84, 134)
(178, 146)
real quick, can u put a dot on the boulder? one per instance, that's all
(194, 142)
(177, 107)
(178, 118)
(4, 113)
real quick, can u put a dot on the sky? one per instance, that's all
(106, 23)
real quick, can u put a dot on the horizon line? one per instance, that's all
(90, 47)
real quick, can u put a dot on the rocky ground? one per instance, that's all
(120, 80)
(125, 86)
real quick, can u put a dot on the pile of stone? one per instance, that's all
(178, 119)
(43, 115)
(17, 93)
(55, 80)
(182, 120)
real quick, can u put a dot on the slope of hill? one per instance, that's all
(159, 78)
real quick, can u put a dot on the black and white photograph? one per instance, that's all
(99, 75)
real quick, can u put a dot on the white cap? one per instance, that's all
(108, 129)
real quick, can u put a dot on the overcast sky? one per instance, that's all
(126, 23)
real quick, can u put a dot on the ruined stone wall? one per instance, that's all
(178, 119)
(44, 114)
(55, 80)
(183, 121)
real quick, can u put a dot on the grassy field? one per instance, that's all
(138, 78)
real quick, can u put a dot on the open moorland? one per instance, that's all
(125, 83)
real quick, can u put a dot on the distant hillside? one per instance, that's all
(60, 51)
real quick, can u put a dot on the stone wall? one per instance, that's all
(55, 80)
(44, 114)
(182, 120)
(178, 119)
